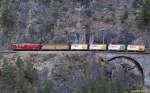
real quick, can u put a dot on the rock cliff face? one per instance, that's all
(70, 21)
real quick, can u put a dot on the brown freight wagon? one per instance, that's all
(48, 47)
(55, 47)
(62, 47)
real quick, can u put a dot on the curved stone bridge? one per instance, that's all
(141, 60)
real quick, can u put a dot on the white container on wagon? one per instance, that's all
(136, 48)
(98, 47)
(116, 47)
(79, 46)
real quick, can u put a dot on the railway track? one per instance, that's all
(114, 52)
(7, 52)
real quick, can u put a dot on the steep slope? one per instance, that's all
(70, 21)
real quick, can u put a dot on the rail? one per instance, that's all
(7, 51)
(113, 52)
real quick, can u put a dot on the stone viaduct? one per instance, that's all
(140, 60)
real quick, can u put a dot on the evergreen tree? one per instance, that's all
(144, 17)
(90, 87)
(78, 90)
(48, 87)
(7, 71)
(6, 19)
(124, 16)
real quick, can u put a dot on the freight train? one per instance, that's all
(91, 47)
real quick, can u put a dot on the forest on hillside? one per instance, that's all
(74, 21)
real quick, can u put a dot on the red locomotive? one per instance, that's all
(26, 46)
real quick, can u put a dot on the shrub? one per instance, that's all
(111, 18)
(108, 20)
(83, 2)
(30, 72)
(78, 90)
(48, 87)
(144, 16)
(104, 84)
(6, 18)
(88, 13)
(124, 16)
(28, 88)
(20, 63)
(90, 87)
(19, 80)
(7, 71)
(20, 75)
(27, 68)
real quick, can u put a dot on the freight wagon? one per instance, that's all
(138, 48)
(79, 47)
(98, 47)
(55, 47)
(117, 47)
